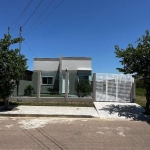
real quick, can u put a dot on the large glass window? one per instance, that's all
(47, 80)
(83, 78)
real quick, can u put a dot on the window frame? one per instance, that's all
(47, 80)
(83, 77)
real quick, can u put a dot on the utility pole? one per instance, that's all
(8, 30)
(20, 34)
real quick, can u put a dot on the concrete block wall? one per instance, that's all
(22, 85)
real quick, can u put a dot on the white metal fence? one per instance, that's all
(113, 87)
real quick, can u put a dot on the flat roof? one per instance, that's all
(46, 59)
(63, 58)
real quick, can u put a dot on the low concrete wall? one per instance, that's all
(80, 99)
(52, 99)
(22, 85)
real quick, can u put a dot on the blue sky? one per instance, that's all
(89, 28)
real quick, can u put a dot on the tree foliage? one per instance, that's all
(136, 60)
(140, 84)
(12, 66)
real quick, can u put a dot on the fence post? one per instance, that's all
(38, 85)
(60, 75)
(106, 87)
(94, 86)
(116, 88)
(66, 86)
(133, 100)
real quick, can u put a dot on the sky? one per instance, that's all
(76, 28)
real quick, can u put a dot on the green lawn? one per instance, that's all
(140, 97)
(140, 92)
(41, 103)
(141, 100)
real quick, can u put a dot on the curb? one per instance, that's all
(43, 115)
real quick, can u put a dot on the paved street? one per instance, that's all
(72, 134)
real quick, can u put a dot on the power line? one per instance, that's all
(21, 15)
(47, 16)
(39, 16)
(32, 13)
(29, 48)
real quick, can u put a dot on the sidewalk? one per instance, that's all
(51, 111)
(102, 110)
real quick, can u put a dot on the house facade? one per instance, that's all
(53, 73)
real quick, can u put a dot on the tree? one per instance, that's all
(12, 67)
(136, 61)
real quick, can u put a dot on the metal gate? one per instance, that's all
(113, 87)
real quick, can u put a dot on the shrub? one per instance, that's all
(83, 88)
(52, 90)
(29, 90)
(78, 88)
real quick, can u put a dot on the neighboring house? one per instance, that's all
(53, 72)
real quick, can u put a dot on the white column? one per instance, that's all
(66, 86)
(106, 87)
(38, 85)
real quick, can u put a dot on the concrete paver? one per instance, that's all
(112, 110)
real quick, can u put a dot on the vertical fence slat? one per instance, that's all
(117, 88)
(133, 92)
(94, 87)
(106, 87)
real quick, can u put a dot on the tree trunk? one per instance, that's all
(147, 86)
(6, 103)
(147, 109)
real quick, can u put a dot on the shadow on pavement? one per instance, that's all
(128, 111)
(12, 106)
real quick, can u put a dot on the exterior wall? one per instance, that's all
(73, 76)
(76, 64)
(52, 99)
(35, 80)
(46, 64)
(55, 85)
(22, 85)
(57, 68)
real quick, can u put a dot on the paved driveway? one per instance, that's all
(112, 110)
